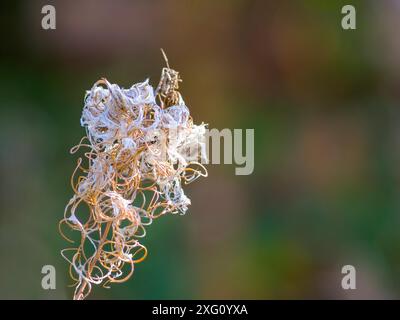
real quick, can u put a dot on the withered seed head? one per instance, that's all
(132, 172)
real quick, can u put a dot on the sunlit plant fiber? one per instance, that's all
(137, 148)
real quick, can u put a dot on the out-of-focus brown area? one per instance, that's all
(324, 103)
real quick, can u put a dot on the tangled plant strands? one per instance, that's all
(138, 153)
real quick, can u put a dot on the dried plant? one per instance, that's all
(141, 146)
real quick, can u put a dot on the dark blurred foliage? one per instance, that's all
(324, 104)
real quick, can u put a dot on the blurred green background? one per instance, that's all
(324, 103)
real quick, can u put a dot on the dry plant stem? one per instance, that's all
(136, 146)
(80, 295)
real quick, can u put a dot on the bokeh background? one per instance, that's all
(324, 103)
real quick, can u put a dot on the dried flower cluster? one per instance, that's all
(139, 153)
